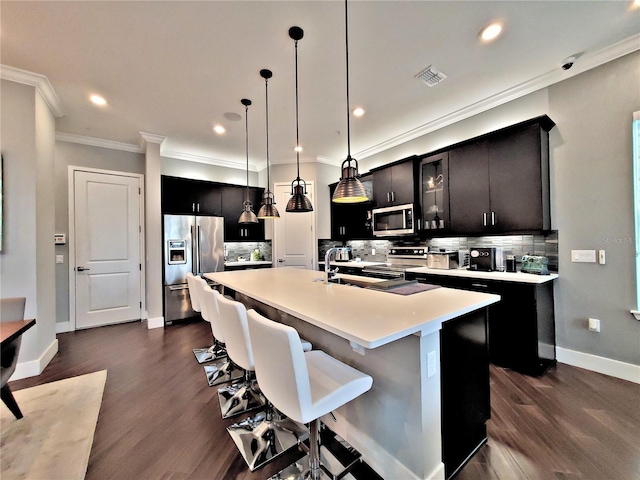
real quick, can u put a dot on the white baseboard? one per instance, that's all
(606, 366)
(34, 368)
(157, 322)
(63, 327)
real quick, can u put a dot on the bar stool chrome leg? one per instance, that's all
(210, 354)
(240, 397)
(222, 372)
(265, 436)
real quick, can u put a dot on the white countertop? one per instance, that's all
(247, 262)
(369, 318)
(517, 277)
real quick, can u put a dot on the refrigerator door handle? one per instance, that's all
(194, 250)
(198, 262)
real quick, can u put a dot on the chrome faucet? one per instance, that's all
(328, 273)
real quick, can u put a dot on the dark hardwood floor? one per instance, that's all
(160, 420)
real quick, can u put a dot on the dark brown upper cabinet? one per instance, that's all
(499, 183)
(395, 184)
(232, 205)
(184, 196)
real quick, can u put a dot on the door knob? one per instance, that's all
(280, 260)
(82, 269)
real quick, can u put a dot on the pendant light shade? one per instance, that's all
(247, 216)
(298, 203)
(350, 189)
(268, 209)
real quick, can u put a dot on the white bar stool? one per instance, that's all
(239, 397)
(302, 385)
(227, 370)
(205, 354)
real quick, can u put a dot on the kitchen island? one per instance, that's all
(396, 339)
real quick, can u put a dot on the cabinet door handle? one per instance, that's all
(393, 196)
(484, 219)
(481, 285)
(388, 196)
(193, 207)
(198, 206)
(493, 218)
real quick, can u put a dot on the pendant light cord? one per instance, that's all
(297, 128)
(266, 97)
(246, 145)
(346, 35)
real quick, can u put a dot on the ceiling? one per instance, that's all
(176, 68)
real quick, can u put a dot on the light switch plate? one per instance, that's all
(585, 256)
(601, 257)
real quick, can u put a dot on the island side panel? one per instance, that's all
(387, 423)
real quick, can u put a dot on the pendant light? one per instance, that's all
(268, 209)
(247, 216)
(298, 201)
(350, 189)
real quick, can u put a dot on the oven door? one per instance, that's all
(393, 221)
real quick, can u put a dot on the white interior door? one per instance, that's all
(107, 249)
(294, 234)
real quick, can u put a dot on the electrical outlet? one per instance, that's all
(373, 251)
(594, 325)
(59, 258)
(431, 364)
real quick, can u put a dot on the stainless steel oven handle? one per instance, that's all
(178, 287)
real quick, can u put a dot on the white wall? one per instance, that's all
(28, 259)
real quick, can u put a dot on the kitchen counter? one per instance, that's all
(359, 315)
(247, 263)
(398, 424)
(351, 264)
(517, 277)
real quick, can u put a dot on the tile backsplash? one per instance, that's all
(517, 245)
(233, 250)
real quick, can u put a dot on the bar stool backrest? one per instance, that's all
(202, 290)
(233, 322)
(210, 303)
(193, 294)
(280, 365)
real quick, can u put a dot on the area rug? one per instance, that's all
(53, 440)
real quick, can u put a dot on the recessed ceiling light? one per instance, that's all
(98, 100)
(219, 129)
(358, 111)
(491, 32)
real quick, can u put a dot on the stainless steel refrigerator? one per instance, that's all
(191, 244)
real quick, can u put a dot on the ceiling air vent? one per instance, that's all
(431, 76)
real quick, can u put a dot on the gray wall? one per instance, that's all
(203, 171)
(592, 199)
(591, 196)
(73, 154)
(27, 130)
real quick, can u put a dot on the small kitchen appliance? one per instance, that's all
(489, 259)
(535, 264)
(343, 254)
(443, 260)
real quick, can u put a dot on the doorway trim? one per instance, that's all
(72, 169)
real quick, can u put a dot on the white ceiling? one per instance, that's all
(176, 68)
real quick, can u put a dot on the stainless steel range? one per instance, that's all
(398, 260)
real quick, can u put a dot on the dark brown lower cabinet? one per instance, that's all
(521, 326)
(466, 406)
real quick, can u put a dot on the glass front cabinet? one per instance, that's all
(434, 194)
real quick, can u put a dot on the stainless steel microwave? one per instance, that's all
(393, 221)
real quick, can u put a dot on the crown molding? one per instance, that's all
(146, 137)
(40, 82)
(98, 142)
(585, 62)
(190, 157)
